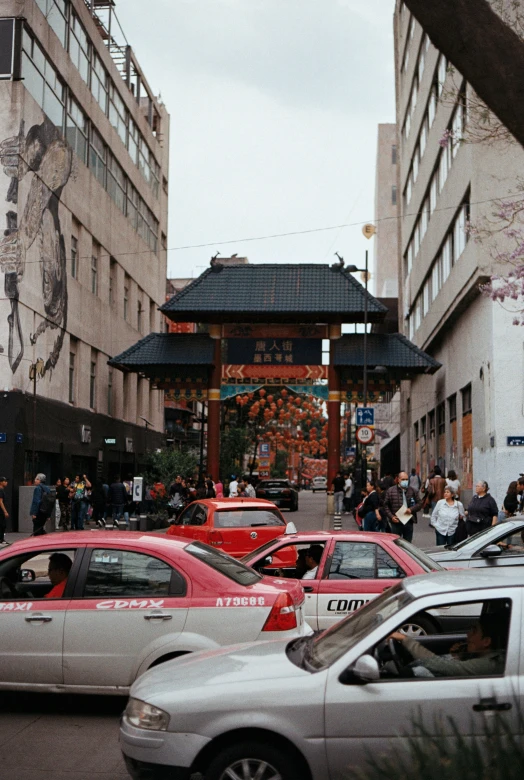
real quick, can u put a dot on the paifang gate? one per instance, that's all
(265, 325)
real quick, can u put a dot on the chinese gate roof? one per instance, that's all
(274, 292)
(391, 350)
(166, 349)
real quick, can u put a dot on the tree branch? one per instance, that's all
(485, 50)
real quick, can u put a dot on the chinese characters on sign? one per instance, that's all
(274, 351)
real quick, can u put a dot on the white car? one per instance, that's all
(311, 708)
(130, 601)
(318, 483)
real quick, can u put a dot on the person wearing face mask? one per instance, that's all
(402, 495)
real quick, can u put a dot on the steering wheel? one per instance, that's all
(7, 588)
(392, 647)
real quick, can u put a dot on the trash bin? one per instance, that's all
(143, 523)
(133, 523)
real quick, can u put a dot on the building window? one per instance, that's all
(432, 423)
(72, 357)
(110, 392)
(441, 419)
(394, 195)
(55, 14)
(466, 399)
(76, 129)
(99, 82)
(394, 154)
(94, 275)
(423, 426)
(74, 257)
(112, 273)
(139, 316)
(97, 157)
(126, 300)
(92, 383)
(42, 81)
(118, 113)
(415, 431)
(452, 407)
(79, 47)
(116, 184)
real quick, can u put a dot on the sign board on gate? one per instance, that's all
(366, 416)
(365, 434)
(515, 441)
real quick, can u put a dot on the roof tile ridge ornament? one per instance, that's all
(338, 266)
(216, 265)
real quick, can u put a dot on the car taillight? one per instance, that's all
(261, 492)
(282, 616)
(286, 492)
(215, 538)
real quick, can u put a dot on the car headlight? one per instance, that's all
(145, 716)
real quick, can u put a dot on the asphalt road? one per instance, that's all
(58, 737)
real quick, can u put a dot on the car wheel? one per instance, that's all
(419, 626)
(253, 761)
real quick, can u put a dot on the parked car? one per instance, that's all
(307, 709)
(131, 601)
(280, 492)
(234, 525)
(497, 547)
(318, 483)
(354, 568)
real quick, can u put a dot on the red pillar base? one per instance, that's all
(333, 424)
(213, 414)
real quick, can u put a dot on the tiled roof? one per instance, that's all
(191, 349)
(392, 350)
(269, 292)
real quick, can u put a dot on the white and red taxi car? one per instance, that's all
(354, 567)
(131, 601)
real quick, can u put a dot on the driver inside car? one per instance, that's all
(482, 655)
(58, 571)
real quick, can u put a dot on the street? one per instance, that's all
(76, 737)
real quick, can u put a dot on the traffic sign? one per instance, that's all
(350, 452)
(366, 416)
(365, 434)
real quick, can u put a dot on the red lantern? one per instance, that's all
(262, 393)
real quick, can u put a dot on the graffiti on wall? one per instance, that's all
(43, 158)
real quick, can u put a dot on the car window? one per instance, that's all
(246, 518)
(223, 563)
(26, 576)
(114, 572)
(185, 517)
(353, 561)
(199, 515)
(387, 567)
(475, 645)
(511, 544)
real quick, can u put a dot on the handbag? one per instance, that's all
(461, 532)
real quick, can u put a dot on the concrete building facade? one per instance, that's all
(386, 211)
(83, 194)
(461, 417)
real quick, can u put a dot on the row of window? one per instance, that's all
(409, 38)
(435, 421)
(63, 20)
(44, 84)
(417, 78)
(451, 250)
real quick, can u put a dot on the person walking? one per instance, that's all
(42, 505)
(401, 495)
(482, 510)
(4, 514)
(445, 518)
(79, 502)
(118, 501)
(370, 511)
(414, 480)
(233, 487)
(452, 481)
(219, 489)
(63, 494)
(338, 484)
(98, 502)
(348, 494)
(436, 488)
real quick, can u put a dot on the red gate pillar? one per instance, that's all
(213, 407)
(333, 409)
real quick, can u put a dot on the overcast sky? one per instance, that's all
(274, 110)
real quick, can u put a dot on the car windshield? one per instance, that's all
(485, 535)
(330, 645)
(255, 553)
(223, 563)
(427, 563)
(247, 518)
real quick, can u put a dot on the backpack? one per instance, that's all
(48, 501)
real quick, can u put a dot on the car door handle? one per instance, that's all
(308, 588)
(38, 618)
(158, 616)
(492, 705)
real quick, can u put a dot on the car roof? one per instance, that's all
(138, 538)
(350, 536)
(451, 580)
(228, 503)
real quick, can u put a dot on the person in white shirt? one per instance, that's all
(313, 557)
(348, 494)
(233, 487)
(445, 517)
(250, 490)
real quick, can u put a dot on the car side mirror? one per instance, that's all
(27, 575)
(268, 559)
(291, 528)
(491, 551)
(364, 670)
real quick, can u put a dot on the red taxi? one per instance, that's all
(88, 612)
(346, 570)
(234, 525)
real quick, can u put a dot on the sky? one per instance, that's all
(274, 110)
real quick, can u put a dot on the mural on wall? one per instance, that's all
(44, 155)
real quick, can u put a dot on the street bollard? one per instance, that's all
(133, 523)
(337, 522)
(143, 523)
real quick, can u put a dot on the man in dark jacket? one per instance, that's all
(38, 515)
(399, 496)
(118, 500)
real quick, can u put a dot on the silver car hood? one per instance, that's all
(228, 666)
